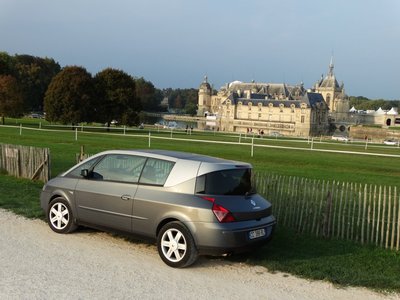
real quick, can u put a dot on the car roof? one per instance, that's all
(175, 155)
(187, 165)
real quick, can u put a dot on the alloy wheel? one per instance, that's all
(59, 216)
(173, 245)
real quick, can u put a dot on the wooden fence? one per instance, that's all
(364, 213)
(25, 161)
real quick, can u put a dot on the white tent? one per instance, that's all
(353, 110)
(393, 111)
(380, 111)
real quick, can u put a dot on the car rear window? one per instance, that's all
(225, 182)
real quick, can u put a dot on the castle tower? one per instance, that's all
(204, 100)
(334, 94)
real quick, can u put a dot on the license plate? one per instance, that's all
(254, 234)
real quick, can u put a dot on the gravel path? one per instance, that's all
(36, 263)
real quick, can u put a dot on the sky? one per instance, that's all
(176, 43)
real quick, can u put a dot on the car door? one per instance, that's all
(150, 197)
(105, 196)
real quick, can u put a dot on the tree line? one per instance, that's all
(363, 103)
(71, 94)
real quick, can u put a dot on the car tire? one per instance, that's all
(176, 246)
(60, 217)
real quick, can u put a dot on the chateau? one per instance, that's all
(275, 108)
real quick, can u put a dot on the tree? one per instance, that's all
(11, 101)
(6, 64)
(34, 75)
(117, 99)
(150, 98)
(191, 108)
(179, 98)
(70, 96)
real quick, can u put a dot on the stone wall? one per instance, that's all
(375, 134)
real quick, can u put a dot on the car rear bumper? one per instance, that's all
(227, 238)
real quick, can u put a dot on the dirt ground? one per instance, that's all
(37, 263)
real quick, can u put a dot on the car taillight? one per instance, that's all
(222, 214)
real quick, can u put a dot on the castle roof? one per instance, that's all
(269, 90)
(329, 81)
(205, 85)
(310, 99)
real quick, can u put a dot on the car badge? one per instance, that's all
(253, 202)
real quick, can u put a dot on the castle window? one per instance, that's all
(302, 119)
(328, 99)
(303, 108)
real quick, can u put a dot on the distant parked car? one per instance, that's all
(190, 204)
(36, 116)
(340, 138)
(390, 142)
(275, 134)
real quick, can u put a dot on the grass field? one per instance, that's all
(300, 161)
(340, 262)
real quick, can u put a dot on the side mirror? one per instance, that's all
(85, 173)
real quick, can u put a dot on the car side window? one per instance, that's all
(87, 165)
(156, 171)
(118, 167)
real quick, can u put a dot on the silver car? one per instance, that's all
(190, 204)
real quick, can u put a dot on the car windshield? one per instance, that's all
(225, 182)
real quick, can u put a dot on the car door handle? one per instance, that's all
(126, 197)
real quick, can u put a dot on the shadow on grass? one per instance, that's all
(339, 262)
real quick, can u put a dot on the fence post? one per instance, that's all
(383, 215)
(379, 216)
(149, 139)
(394, 218)
(398, 224)
(388, 217)
(373, 215)
(327, 214)
(252, 146)
(20, 129)
(369, 213)
(76, 134)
